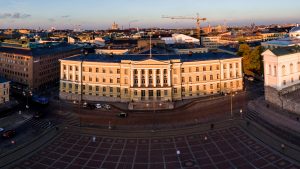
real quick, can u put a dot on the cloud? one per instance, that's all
(51, 20)
(5, 15)
(15, 15)
(65, 16)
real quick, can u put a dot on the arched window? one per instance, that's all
(270, 71)
(275, 71)
(298, 66)
(283, 70)
(291, 68)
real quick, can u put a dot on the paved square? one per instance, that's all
(216, 149)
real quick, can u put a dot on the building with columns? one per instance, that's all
(282, 77)
(141, 78)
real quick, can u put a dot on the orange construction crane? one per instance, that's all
(197, 18)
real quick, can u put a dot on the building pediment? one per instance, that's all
(151, 62)
(268, 52)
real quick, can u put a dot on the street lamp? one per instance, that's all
(241, 112)
(154, 114)
(84, 54)
(231, 105)
(26, 94)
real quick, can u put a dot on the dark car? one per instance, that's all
(88, 106)
(38, 115)
(9, 134)
(122, 115)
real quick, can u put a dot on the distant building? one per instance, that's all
(115, 26)
(34, 68)
(281, 73)
(190, 51)
(112, 51)
(4, 90)
(73, 40)
(292, 40)
(139, 78)
(211, 42)
(180, 39)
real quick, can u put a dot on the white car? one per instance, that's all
(98, 106)
(106, 106)
(251, 79)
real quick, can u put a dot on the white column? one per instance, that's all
(80, 72)
(161, 77)
(279, 77)
(61, 71)
(222, 71)
(240, 68)
(268, 72)
(67, 74)
(139, 77)
(131, 77)
(169, 77)
(147, 77)
(154, 77)
(74, 73)
(228, 71)
(234, 70)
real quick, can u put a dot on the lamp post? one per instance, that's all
(231, 102)
(231, 96)
(84, 54)
(26, 93)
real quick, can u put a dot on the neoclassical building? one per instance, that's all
(141, 78)
(282, 75)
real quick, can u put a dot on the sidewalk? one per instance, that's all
(275, 115)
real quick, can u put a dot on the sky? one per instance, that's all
(100, 14)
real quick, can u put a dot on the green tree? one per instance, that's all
(252, 59)
(256, 65)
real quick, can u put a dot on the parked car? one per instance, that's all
(1, 130)
(85, 104)
(122, 115)
(9, 134)
(98, 106)
(251, 78)
(38, 115)
(106, 106)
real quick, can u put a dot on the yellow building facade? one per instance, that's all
(4, 91)
(139, 78)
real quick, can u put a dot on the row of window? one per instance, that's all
(20, 74)
(283, 69)
(105, 89)
(206, 68)
(97, 70)
(12, 56)
(284, 82)
(90, 79)
(158, 71)
(210, 86)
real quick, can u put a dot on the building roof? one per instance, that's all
(40, 51)
(2, 80)
(288, 41)
(295, 29)
(285, 50)
(183, 57)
